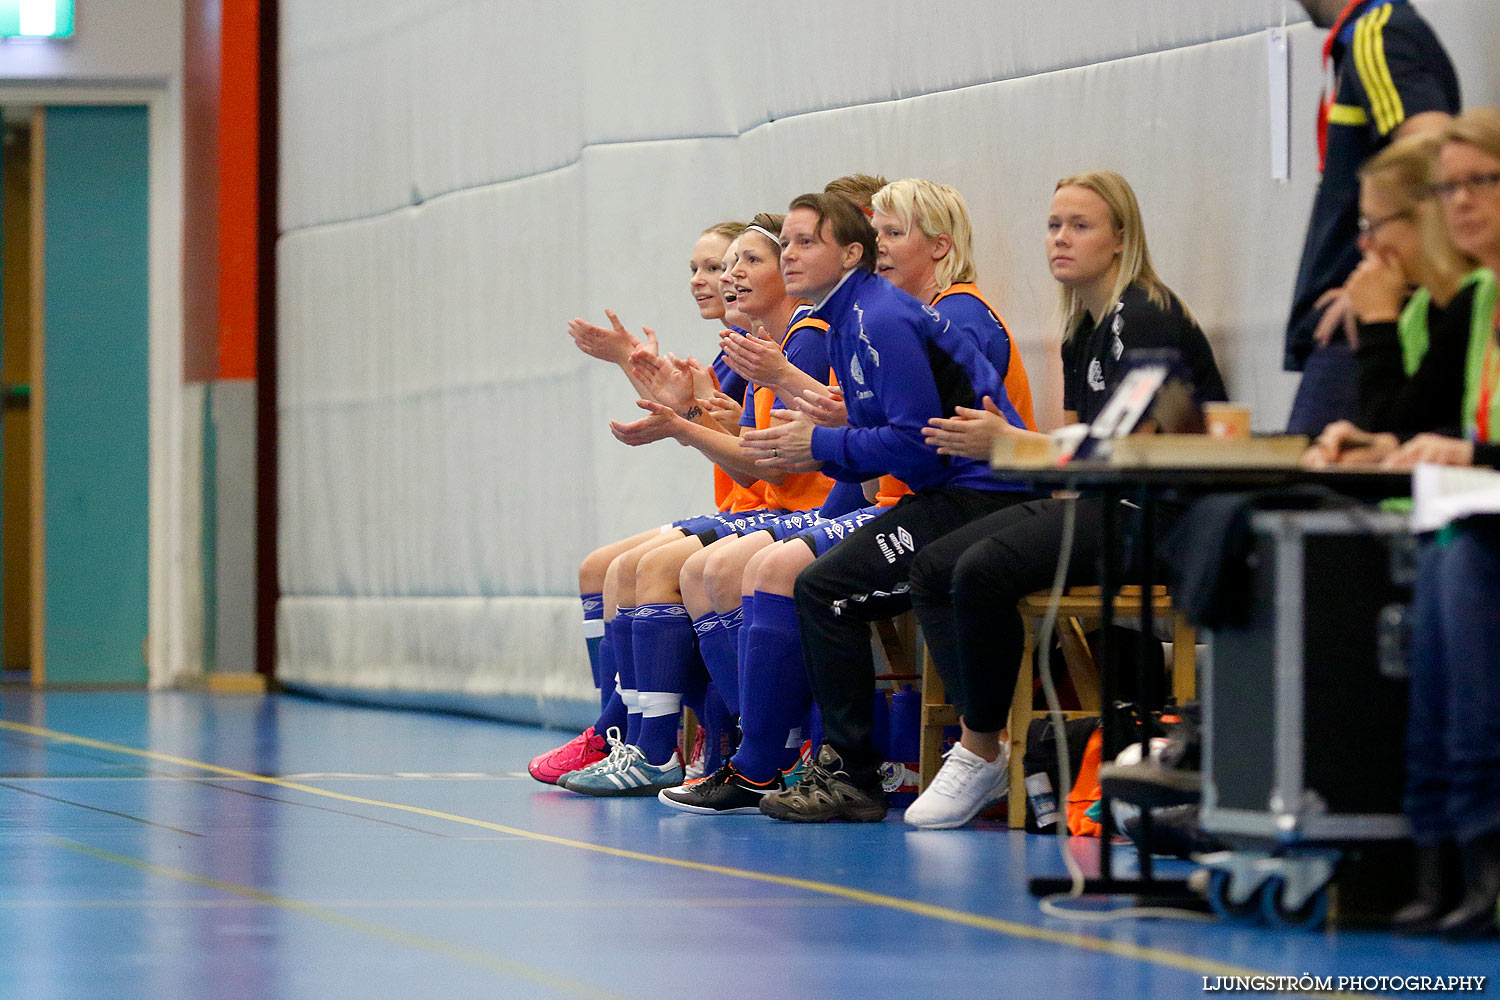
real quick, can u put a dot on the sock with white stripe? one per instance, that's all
(621, 634)
(593, 637)
(612, 707)
(664, 651)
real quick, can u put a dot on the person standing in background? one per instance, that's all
(1388, 76)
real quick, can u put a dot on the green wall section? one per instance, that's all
(96, 382)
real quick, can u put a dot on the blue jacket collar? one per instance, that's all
(842, 293)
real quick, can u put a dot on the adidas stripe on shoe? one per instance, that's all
(627, 773)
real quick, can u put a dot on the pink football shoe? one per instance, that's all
(579, 752)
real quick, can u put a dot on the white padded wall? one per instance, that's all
(461, 178)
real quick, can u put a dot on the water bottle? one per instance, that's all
(1043, 799)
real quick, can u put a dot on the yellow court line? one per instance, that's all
(463, 953)
(1084, 942)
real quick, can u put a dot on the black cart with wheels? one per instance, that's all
(1304, 712)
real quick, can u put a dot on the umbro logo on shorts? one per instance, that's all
(895, 543)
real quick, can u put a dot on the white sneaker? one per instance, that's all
(964, 785)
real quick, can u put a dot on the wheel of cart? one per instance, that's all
(1288, 891)
(1279, 910)
(1233, 901)
(1234, 883)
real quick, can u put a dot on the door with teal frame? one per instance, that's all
(95, 387)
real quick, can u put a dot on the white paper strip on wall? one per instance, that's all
(1279, 102)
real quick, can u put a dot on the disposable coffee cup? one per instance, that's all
(1230, 421)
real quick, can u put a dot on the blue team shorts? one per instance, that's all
(825, 534)
(790, 525)
(725, 523)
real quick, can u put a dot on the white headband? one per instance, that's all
(775, 240)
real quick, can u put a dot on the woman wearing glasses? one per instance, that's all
(1453, 733)
(1400, 291)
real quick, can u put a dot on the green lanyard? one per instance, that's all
(1412, 329)
(1482, 371)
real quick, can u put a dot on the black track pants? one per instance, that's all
(861, 580)
(965, 586)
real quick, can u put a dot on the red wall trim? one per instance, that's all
(239, 197)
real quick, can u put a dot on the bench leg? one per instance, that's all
(1020, 721)
(1184, 660)
(934, 696)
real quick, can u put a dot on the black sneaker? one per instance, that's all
(828, 792)
(722, 793)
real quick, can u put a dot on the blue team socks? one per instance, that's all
(620, 633)
(607, 682)
(774, 692)
(612, 715)
(717, 721)
(718, 641)
(695, 687)
(611, 707)
(747, 616)
(593, 638)
(664, 651)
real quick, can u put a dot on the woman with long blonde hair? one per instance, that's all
(965, 586)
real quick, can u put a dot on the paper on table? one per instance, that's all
(1442, 494)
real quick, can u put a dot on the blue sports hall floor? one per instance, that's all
(189, 845)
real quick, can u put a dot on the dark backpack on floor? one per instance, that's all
(1042, 758)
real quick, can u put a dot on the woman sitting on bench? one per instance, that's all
(966, 585)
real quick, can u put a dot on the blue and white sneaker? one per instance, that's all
(615, 744)
(625, 772)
